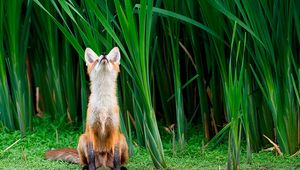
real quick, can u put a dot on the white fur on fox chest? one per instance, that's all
(103, 100)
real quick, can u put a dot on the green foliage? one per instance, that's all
(231, 67)
(5, 99)
(16, 101)
(171, 30)
(271, 51)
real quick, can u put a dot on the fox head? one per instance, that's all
(103, 65)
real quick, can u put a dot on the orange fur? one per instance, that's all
(68, 154)
(102, 125)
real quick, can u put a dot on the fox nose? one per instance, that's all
(104, 58)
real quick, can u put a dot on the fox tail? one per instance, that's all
(68, 155)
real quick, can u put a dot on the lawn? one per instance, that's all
(28, 153)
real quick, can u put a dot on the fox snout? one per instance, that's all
(104, 60)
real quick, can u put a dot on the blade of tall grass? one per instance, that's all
(268, 68)
(140, 54)
(69, 81)
(233, 96)
(167, 13)
(6, 115)
(17, 24)
(49, 37)
(217, 65)
(297, 89)
(284, 114)
(72, 39)
(163, 78)
(172, 29)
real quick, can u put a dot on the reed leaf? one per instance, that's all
(16, 29)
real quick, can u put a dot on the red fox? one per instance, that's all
(102, 144)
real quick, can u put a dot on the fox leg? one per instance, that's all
(116, 160)
(91, 156)
(86, 153)
(123, 149)
(82, 149)
(120, 154)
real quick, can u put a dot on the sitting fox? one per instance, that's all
(102, 144)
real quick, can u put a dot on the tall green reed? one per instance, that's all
(171, 29)
(273, 71)
(233, 95)
(16, 99)
(6, 116)
(48, 36)
(153, 60)
(214, 48)
(138, 40)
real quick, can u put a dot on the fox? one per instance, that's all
(102, 144)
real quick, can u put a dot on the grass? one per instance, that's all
(28, 153)
(164, 44)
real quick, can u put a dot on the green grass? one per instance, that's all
(43, 137)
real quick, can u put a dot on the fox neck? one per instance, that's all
(103, 91)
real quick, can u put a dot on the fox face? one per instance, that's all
(103, 64)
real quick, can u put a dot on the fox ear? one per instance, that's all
(114, 55)
(90, 56)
